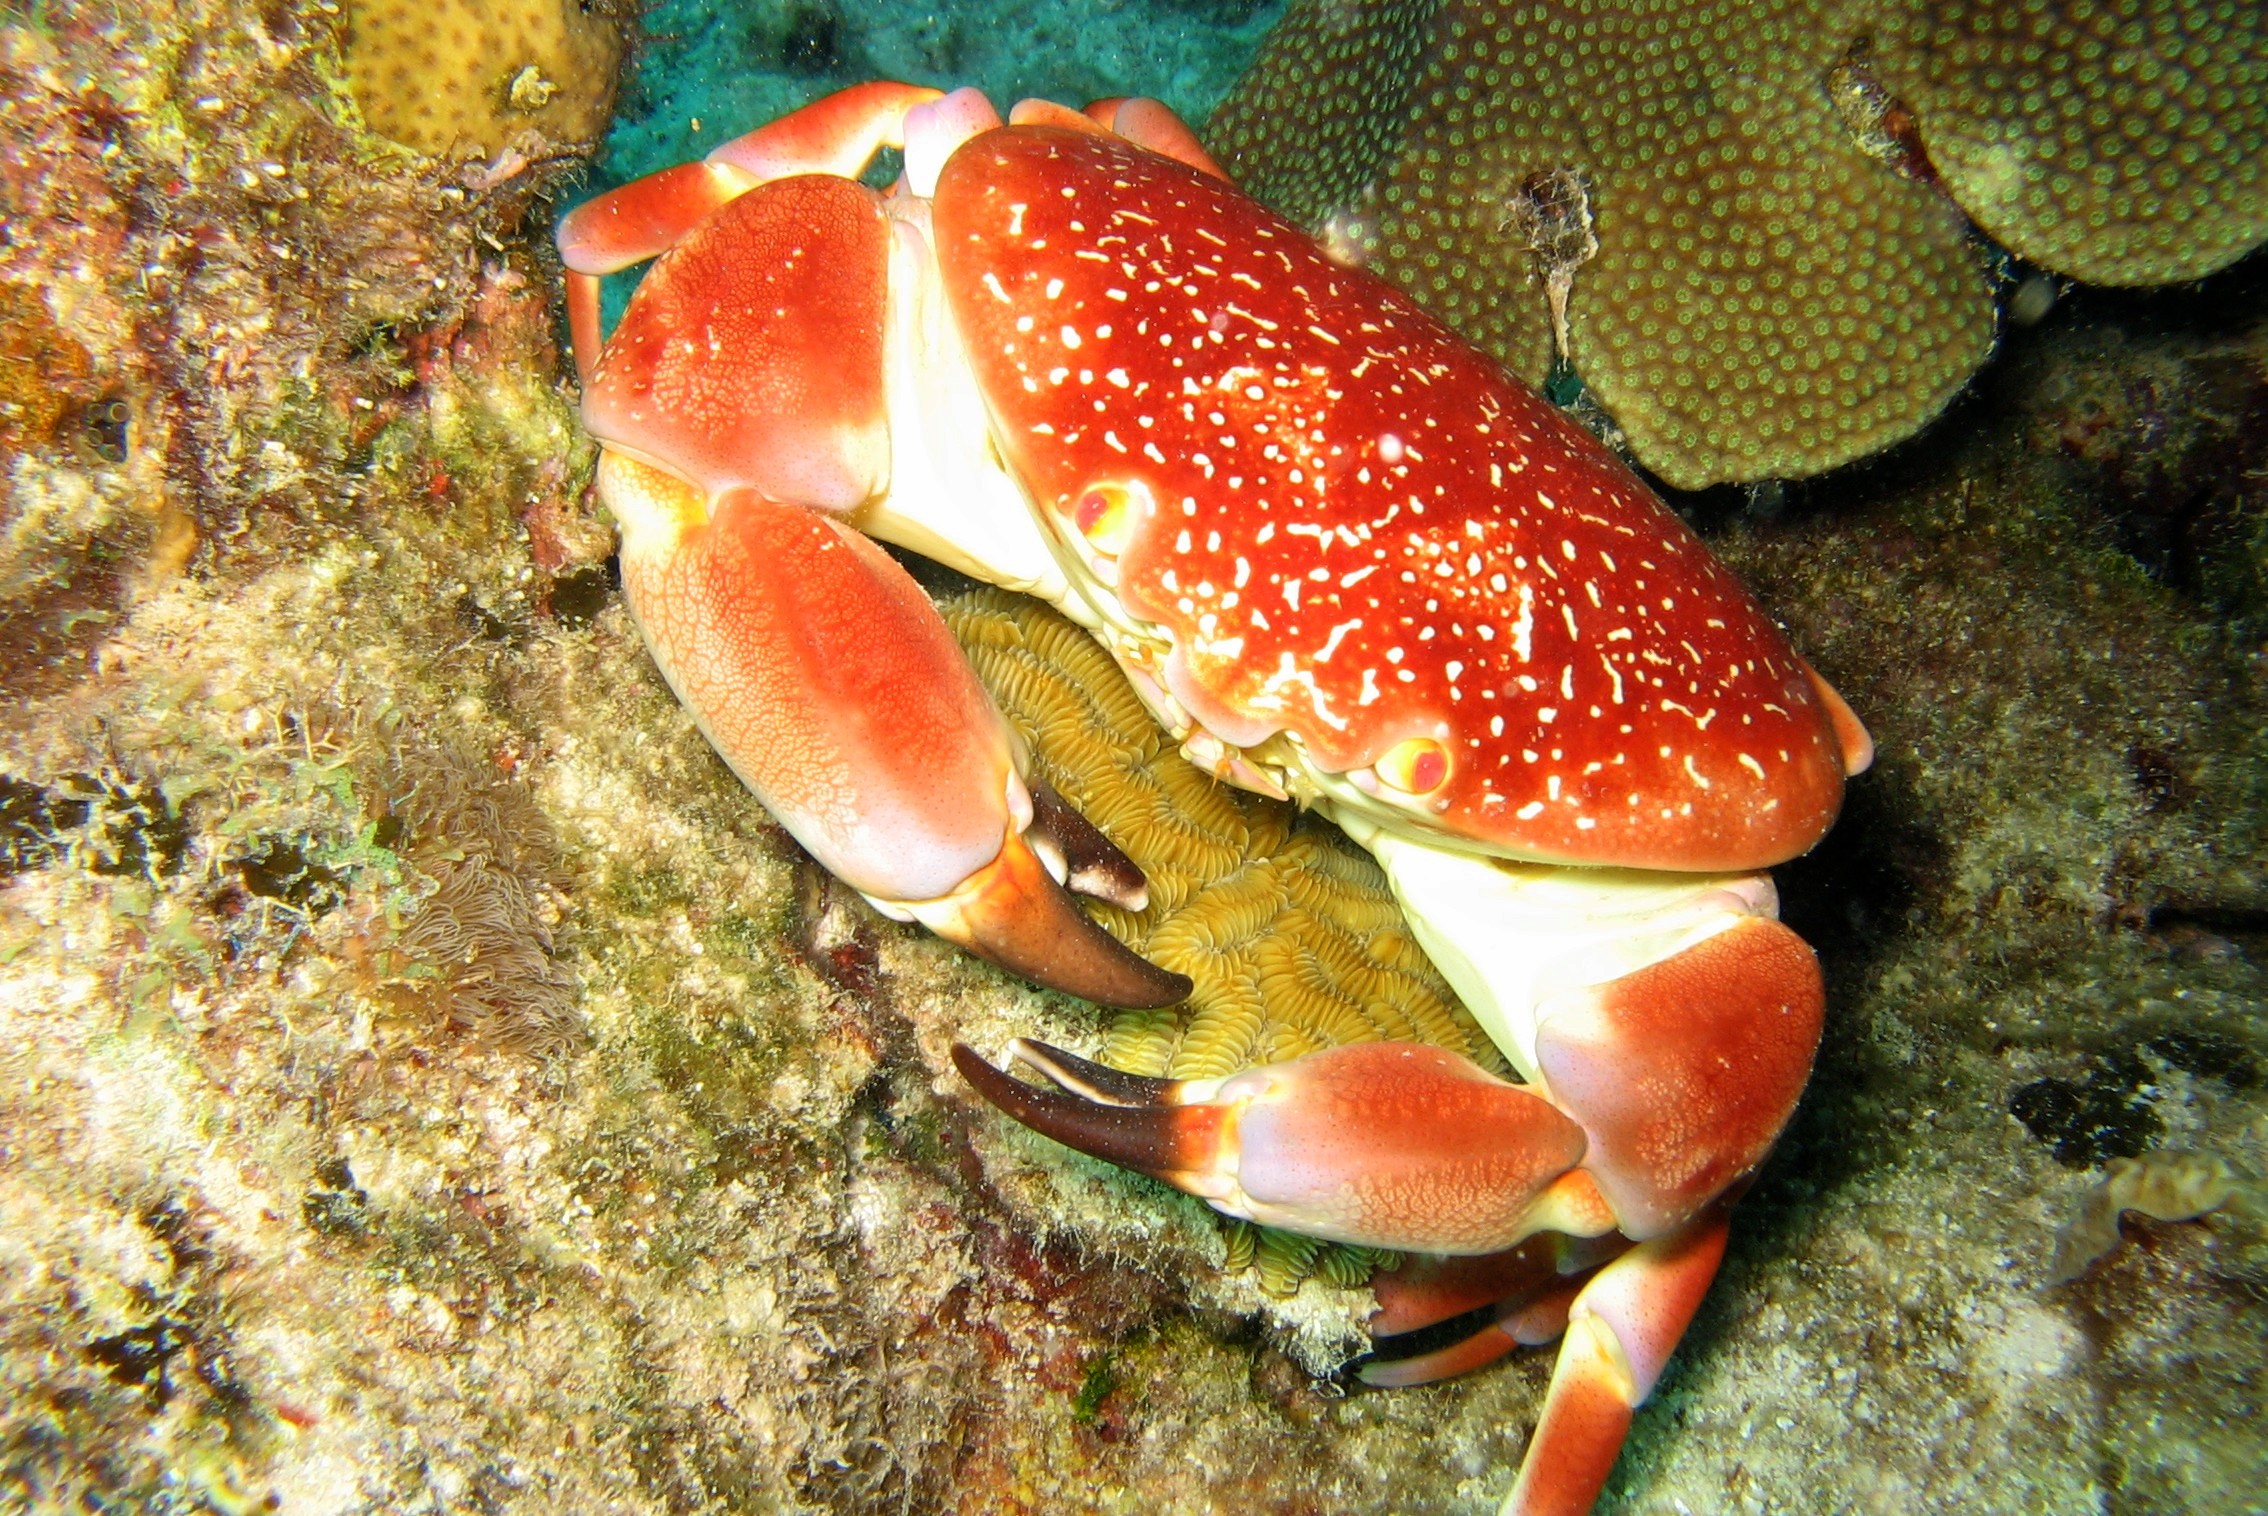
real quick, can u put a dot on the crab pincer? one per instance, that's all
(1388, 1144)
(741, 411)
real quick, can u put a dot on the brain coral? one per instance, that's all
(1739, 202)
(468, 73)
(1288, 930)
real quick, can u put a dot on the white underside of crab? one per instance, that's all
(1517, 941)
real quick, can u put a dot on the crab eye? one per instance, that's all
(1415, 766)
(1105, 515)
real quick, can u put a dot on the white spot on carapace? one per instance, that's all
(1338, 635)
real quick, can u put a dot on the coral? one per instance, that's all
(2118, 144)
(1288, 930)
(1779, 286)
(482, 940)
(2163, 1185)
(481, 948)
(466, 74)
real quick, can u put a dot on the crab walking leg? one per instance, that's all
(837, 136)
(1499, 1301)
(1621, 1331)
(1154, 125)
(826, 679)
(1522, 1323)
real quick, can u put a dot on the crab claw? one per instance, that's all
(1013, 912)
(1077, 853)
(823, 675)
(1388, 1144)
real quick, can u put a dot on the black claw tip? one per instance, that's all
(1151, 1139)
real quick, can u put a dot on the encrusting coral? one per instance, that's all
(471, 74)
(1779, 284)
(2116, 144)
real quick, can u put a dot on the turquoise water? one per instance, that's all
(710, 70)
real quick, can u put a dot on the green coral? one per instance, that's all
(1736, 214)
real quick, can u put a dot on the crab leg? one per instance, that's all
(1439, 1317)
(836, 135)
(1153, 124)
(1388, 1144)
(1621, 1330)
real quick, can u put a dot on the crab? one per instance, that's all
(1345, 559)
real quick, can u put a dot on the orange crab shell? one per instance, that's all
(1360, 531)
